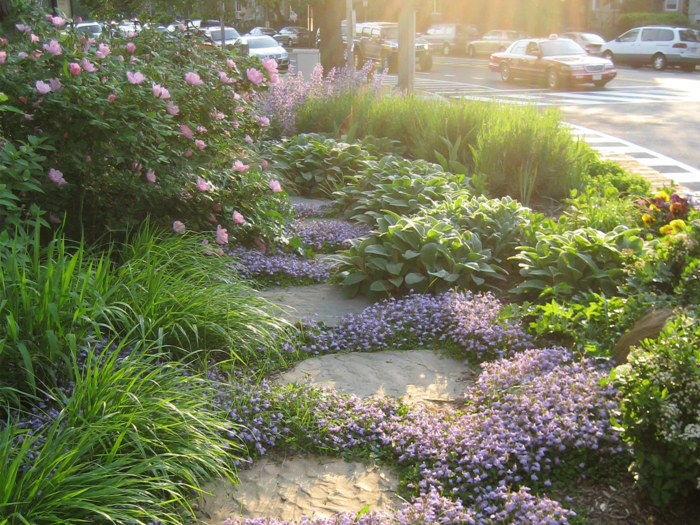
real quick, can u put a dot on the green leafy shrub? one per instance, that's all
(608, 172)
(659, 411)
(629, 20)
(122, 148)
(399, 186)
(318, 165)
(420, 253)
(602, 210)
(688, 288)
(580, 260)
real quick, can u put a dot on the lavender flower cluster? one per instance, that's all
(327, 235)
(274, 269)
(316, 211)
(519, 508)
(472, 322)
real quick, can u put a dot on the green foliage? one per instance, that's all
(608, 172)
(659, 411)
(689, 284)
(580, 260)
(421, 254)
(602, 210)
(317, 165)
(399, 186)
(629, 20)
(133, 444)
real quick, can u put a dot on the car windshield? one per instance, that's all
(229, 33)
(687, 35)
(592, 39)
(262, 42)
(92, 28)
(556, 48)
(391, 33)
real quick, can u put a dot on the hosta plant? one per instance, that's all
(580, 260)
(421, 254)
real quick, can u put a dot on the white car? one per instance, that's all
(658, 46)
(265, 47)
(93, 29)
(214, 34)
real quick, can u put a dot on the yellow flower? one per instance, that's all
(663, 196)
(665, 229)
(677, 225)
(647, 219)
(653, 208)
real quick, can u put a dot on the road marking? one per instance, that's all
(477, 78)
(449, 75)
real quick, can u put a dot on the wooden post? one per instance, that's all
(407, 46)
(349, 36)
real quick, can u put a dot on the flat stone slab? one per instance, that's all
(294, 199)
(416, 376)
(318, 302)
(296, 486)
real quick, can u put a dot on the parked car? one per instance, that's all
(265, 47)
(450, 38)
(94, 29)
(588, 41)
(213, 34)
(262, 31)
(494, 41)
(294, 36)
(557, 61)
(658, 46)
(379, 42)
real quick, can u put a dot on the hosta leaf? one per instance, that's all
(396, 281)
(429, 253)
(413, 278)
(354, 278)
(381, 286)
(394, 269)
(377, 249)
(410, 254)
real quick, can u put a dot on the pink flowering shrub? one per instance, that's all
(110, 114)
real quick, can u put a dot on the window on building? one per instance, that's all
(671, 5)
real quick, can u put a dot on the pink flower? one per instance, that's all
(57, 177)
(49, 17)
(235, 124)
(172, 109)
(212, 218)
(186, 131)
(238, 218)
(205, 242)
(275, 186)
(3, 57)
(22, 28)
(221, 235)
(130, 47)
(239, 166)
(53, 219)
(102, 51)
(42, 87)
(217, 207)
(58, 21)
(112, 97)
(87, 65)
(22, 54)
(23, 100)
(87, 44)
(135, 78)
(188, 153)
(200, 144)
(181, 27)
(264, 121)
(264, 164)
(75, 69)
(88, 159)
(79, 19)
(179, 227)
(131, 34)
(230, 63)
(27, 116)
(193, 79)
(160, 92)
(260, 245)
(201, 129)
(255, 76)
(248, 139)
(270, 64)
(274, 78)
(219, 251)
(38, 102)
(55, 84)
(53, 47)
(202, 184)
(151, 176)
(236, 96)
(33, 38)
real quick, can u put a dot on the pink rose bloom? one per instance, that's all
(53, 47)
(224, 78)
(58, 21)
(164, 93)
(3, 57)
(248, 139)
(112, 97)
(80, 19)
(102, 51)
(172, 109)
(200, 144)
(87, 65)
(55, 84)
(57, 177)
(255, 76)
(22, 28)
(275, 186)
(236, 96)
(22, 54)
(27, 116)
(130, 47)
(157, 90)
(264, 164)
(135, 78)
(202, 184)
(88, 159)
(217, 207)
(181, 27)
(23, 100)
(179, 227)
(42, 87)
(188, 153)
(151, 176)
(260, 245)
(274, 78)
(235, 124)
(212, 218)
(264, 121)
(270, 64)
(186, 131)
(75, 69)
(238, 218)
(239, 166)
(49, 17)
(201, 129)
(131, 34)
(54, 219)
(221, 235)
(33, 38)
(230, 63)
(193, 79)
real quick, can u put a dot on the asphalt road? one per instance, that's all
(657, 110)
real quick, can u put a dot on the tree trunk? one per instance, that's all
(329, 15)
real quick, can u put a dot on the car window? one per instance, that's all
(519, 48)
(450, 31)
(391, 33)
(533, 48)
(561, 47)
(491, 35)
(375, 32)
(431, 30)
(665, 35)
(461, 30)
(92, 28)
(261, 42)
(650, 35)
(688, 36)
(230, 34)
(513, 35)
(365, 31)
(629, 36)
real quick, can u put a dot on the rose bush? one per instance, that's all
(153, 125)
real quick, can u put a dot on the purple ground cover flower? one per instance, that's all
(327, 235)
(280, 268)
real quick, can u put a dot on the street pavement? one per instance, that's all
(652, 112)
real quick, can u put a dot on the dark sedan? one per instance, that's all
(557, 61)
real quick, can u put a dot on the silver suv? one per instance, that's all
(658, 46)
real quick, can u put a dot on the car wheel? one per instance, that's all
(505, 72)
(553, 80)
(290, 43)
(446, 49)
(608, 55)
(471, 52)
(600, 83)
(426, 63)
(659, 62)
(688, 68)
